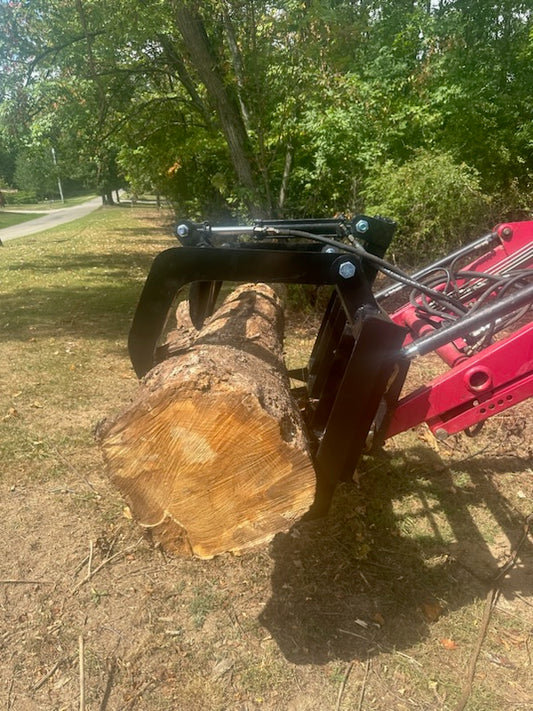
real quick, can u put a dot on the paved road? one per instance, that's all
(51, 219)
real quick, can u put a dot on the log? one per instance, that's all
(211, 455)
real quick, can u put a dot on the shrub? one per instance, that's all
(437, 203)
(20, 197)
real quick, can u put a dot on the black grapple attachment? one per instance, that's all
(356, 357)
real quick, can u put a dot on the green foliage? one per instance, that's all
(7, 165)
(21, 197)
(436, 202)
(278, 108)
(36, 173)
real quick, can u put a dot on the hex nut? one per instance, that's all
(347, 270)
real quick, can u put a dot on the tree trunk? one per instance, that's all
(192, 30)
(211, 455)
(285, 180)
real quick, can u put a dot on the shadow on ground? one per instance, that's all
(355, 584)
(96, 296)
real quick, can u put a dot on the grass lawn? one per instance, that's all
(8, 219)
(377, 607)
(47, 205)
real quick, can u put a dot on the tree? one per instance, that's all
(36, 172)
(480, 82)
(270, 108)
(7, 163)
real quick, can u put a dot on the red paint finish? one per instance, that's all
(480, 385)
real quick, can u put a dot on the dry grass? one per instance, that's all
(389, 587)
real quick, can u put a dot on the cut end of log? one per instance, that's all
(221, 471)
(211, 457)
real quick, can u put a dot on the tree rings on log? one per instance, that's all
(211, 455)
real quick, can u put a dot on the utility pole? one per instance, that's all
(58, 178)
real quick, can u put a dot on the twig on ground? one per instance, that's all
(107, 560)
(526, 602)
(349, 667)
(363, 686)
(490, 602)
(82, 672)
(365, 580)
(10, 689)
(113, 543)
(353, 634)
(52, 671)
(134, 698)
(475, 454)
(411, 659)
(74, 470)
(81, 564)
(468, 569)
(89, 564)
(133, 573)
(92, 487)
(508, 612)
(48, 675)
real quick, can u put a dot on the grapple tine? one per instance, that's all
(202, 300)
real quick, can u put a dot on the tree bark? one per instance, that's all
(211, 455)
(192, 30)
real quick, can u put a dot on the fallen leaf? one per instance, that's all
(379, 619)
(448, 643)
(431, 611)
(500, 660)
(513, 637)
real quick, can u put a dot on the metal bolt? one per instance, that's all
(347, 270)
(329, 250)
(441, 434)
(182, 230)
(362, 226)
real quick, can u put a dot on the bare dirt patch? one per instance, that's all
(378, 606)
